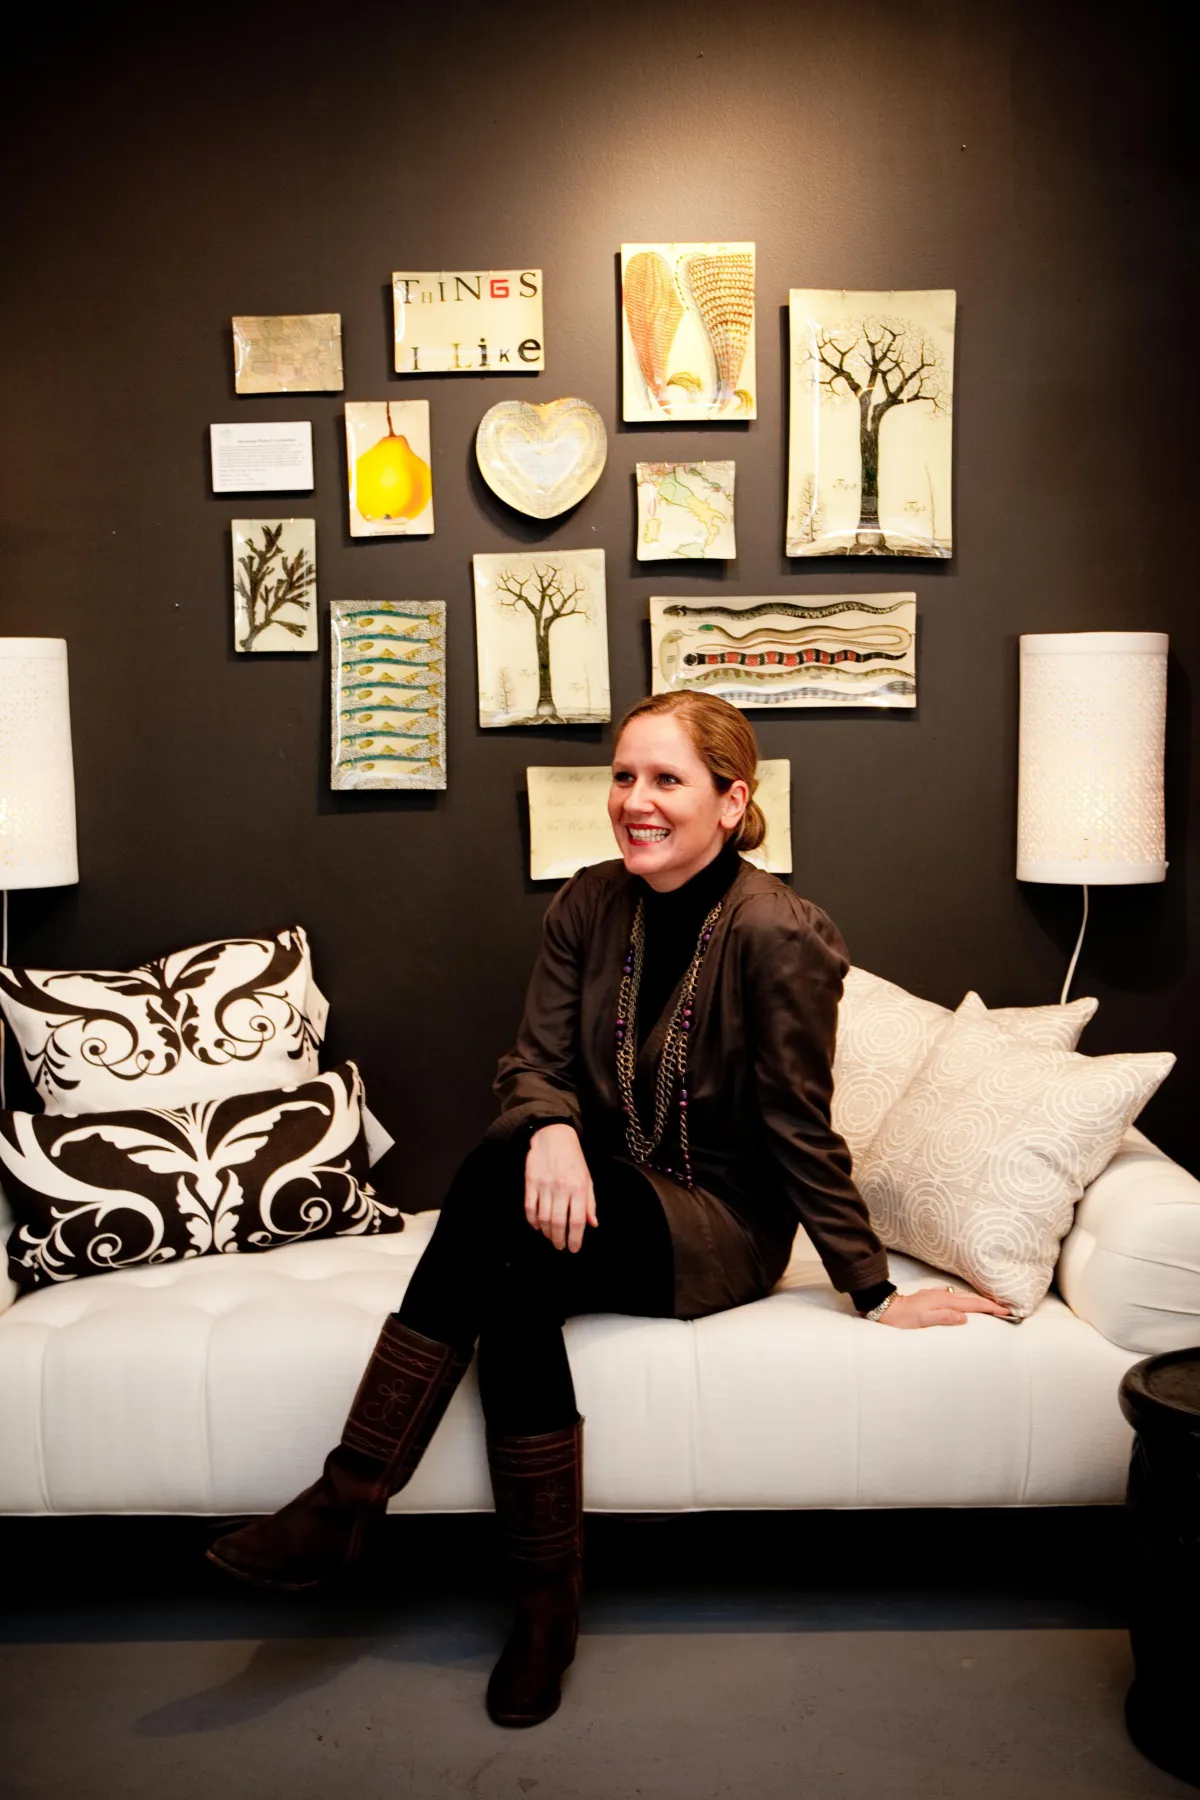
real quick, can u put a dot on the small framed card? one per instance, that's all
(274, 458)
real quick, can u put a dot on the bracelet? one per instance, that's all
(877, 1312)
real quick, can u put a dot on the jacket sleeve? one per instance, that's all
(794, 966)
(537, 1080)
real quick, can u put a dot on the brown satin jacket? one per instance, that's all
(759, 1076)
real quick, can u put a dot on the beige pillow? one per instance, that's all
(979, 1164)
(884, 1035)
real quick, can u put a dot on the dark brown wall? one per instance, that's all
(163, 177)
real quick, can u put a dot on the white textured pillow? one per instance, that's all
(978, 1165)
(232, 1017)
(884, 1035)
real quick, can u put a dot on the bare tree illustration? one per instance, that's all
(880, 363)
(269, 581)
(811, 512)
(550, 601)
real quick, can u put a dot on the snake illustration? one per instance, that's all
(680, 610)
(899, 680)
(895, 637)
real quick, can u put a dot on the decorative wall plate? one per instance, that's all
(541, 459)
(825, 650)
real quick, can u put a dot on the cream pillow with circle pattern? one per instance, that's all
(978, 1166)
(884, 1034)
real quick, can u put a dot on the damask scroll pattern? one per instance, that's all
(136, 1188)
(180, 1024)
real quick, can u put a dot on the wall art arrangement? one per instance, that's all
(388, 694)
(541, 459)
(387, 464)
(267, 458)
(274, 584)
(872, 386)
(287, 353)
(684, 510)
(468, 321)
(541, 631)
(687, 317)
(569, 828)
(871, 378)
(829, 650)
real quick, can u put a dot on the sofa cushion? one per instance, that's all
(1130, 1263)
(885, 1033)
(102, 1191)
(217, 1385)
(235, 1016)
(979, 1164)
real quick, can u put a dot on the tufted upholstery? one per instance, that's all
(217, 1385)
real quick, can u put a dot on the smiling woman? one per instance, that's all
(683, 784)
(664, 1128)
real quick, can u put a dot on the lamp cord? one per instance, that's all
(1062, 998)
(3, 1032)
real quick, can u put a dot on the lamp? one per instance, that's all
(37, 778)
(1092, 733)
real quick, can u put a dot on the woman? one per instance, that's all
(664, 1128)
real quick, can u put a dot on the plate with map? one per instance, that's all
(287, 353)
(684, 511)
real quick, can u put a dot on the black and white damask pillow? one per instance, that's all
(134, 1188)
(223, 1018)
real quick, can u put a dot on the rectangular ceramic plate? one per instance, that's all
(388, 468)
(468, 321)
(869, 433)
(687, 332)
(541, 633)
(287, 353)
(274, 584)
(685, 511)
(389, 694)
(777, 650)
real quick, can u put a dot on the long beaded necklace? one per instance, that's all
(672, 1061)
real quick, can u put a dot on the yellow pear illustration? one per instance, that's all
(390, 480)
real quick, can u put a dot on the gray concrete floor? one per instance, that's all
(824, 1656)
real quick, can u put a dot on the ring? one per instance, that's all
(949, 1289)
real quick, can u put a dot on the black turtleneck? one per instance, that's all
(673, 924)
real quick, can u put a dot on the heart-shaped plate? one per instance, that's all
(541, 459)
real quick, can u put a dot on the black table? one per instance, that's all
(1161, 1399)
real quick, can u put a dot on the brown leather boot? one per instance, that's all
(538, 1488)
(405, 1389)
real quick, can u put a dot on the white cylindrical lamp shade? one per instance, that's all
(1092, 734)
(37, 776)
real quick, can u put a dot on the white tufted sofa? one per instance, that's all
(217, 1385)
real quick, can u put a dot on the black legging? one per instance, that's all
(487, 1274)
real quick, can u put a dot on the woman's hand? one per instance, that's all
(559, 1199)
(937, 1306)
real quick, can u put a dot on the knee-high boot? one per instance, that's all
(538, 1487)
(405, 1389)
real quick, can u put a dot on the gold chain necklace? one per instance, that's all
(672, 1061)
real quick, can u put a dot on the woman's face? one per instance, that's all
(664, 808)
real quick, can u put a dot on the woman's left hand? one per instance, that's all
(938, 1306)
